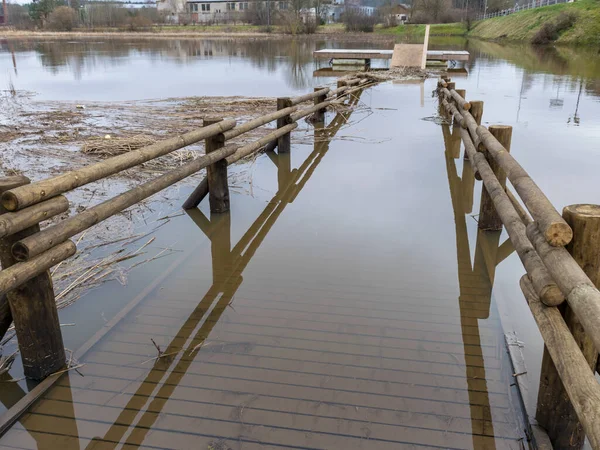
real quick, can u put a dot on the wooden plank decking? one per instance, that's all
(432, 55)
(288, 365)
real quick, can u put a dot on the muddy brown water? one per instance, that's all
(347, 300)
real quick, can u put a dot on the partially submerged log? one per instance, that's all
(578, 380)
(51, 236)
(21, 197)
(554, 228)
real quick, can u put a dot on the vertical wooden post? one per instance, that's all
(33, 308)
(320, 114)
(216, 173)
(451, 85)
(462, 93)
(488, 217)
(476, 110)
(284, 142)
(554, 410)
(477, 113)
(340, 84)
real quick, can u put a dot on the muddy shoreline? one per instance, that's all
(196, 34)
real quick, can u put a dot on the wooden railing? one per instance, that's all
(26, 253)
(561, 256)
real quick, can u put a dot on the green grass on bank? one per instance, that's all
(416, 31)
(524, 25)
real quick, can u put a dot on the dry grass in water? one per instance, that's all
(109, 146)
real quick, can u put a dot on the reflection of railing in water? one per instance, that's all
(228, 265)
(569, 395)
(475, 278)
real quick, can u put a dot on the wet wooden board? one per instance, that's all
(407, 55)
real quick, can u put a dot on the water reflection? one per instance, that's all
(56, 419)
(119, 60)
(476, 278)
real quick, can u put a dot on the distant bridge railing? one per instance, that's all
(26, 253)
(517, 8)
(561, 256)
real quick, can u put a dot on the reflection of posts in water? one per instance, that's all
(228, 265)
(475, 281)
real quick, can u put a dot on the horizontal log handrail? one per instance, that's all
(552, 225)
(11, 223)
(556, 231)
(51, 236)
(14, 276)
(33, 193)
(579, 381)
(544, 285)
(259, 121)
(309, 96)
(27, 253)
(569, 396)
(248, 149)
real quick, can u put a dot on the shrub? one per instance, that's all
(355, 20)
(18, 16)
(310, 26)
(139, 23)
(550, 32)
(62, 18)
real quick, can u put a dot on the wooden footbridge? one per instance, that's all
(310, 369)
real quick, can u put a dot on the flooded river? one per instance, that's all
(347, 300)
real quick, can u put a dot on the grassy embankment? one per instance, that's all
(524, 25)
(521, 26)
(418, 31)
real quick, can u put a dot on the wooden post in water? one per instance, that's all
(488, 217)
(340, 84)
(320, 114)
(476, 110)
(216, 173)
(284, 142)
(554, 409)
(32, 308)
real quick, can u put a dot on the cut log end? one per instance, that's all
(558, 234)
(583, 210)
(551, 296)
(20, 251)
(10, 202)
(466, 106)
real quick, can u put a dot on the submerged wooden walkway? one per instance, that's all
(296, 357)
